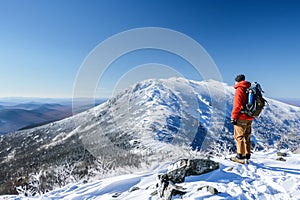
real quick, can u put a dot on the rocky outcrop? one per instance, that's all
(185, 167)
(281, 155)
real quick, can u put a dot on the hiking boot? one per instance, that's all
(248, 156)
(238, 160)
(240, 156)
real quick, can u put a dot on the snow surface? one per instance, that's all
(263, 178)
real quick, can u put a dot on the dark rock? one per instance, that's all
(229, 169)
(133, 189)
(180, 169)
(281, 159)
(117, 194)
(200, 166)
(162, 184)
(186, 167)
(210, 189)
(172, 190)
(178, 172)
(167, 193)
(148, 187)
(154, 193)
(281, 154)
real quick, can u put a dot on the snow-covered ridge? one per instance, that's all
(150, 121)
(165, 110)
(171, 110)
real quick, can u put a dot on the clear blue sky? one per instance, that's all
(43, 43)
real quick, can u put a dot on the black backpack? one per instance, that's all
(255, 101)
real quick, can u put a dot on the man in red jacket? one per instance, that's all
(241, 121)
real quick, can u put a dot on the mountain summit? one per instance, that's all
(150, 121)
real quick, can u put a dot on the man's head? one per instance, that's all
(240, 77)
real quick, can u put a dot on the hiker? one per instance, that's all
(241, 121)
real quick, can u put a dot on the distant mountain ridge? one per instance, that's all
(151, 120)
(23, 113)
(291, 101)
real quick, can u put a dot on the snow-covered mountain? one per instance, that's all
(151, 121)
(154, 113)
(180, 111)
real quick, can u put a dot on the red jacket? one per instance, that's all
(240, 99)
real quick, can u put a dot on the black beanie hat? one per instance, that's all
(240, 77)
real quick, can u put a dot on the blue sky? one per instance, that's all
(44, 43)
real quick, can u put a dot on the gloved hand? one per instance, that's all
(234, 121)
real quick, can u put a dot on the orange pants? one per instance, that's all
(242, 133)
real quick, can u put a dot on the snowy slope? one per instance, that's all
(151, 121)
(264, 178)
(179, 111)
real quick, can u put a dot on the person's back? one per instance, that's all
(240, 100)
(241, 121)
